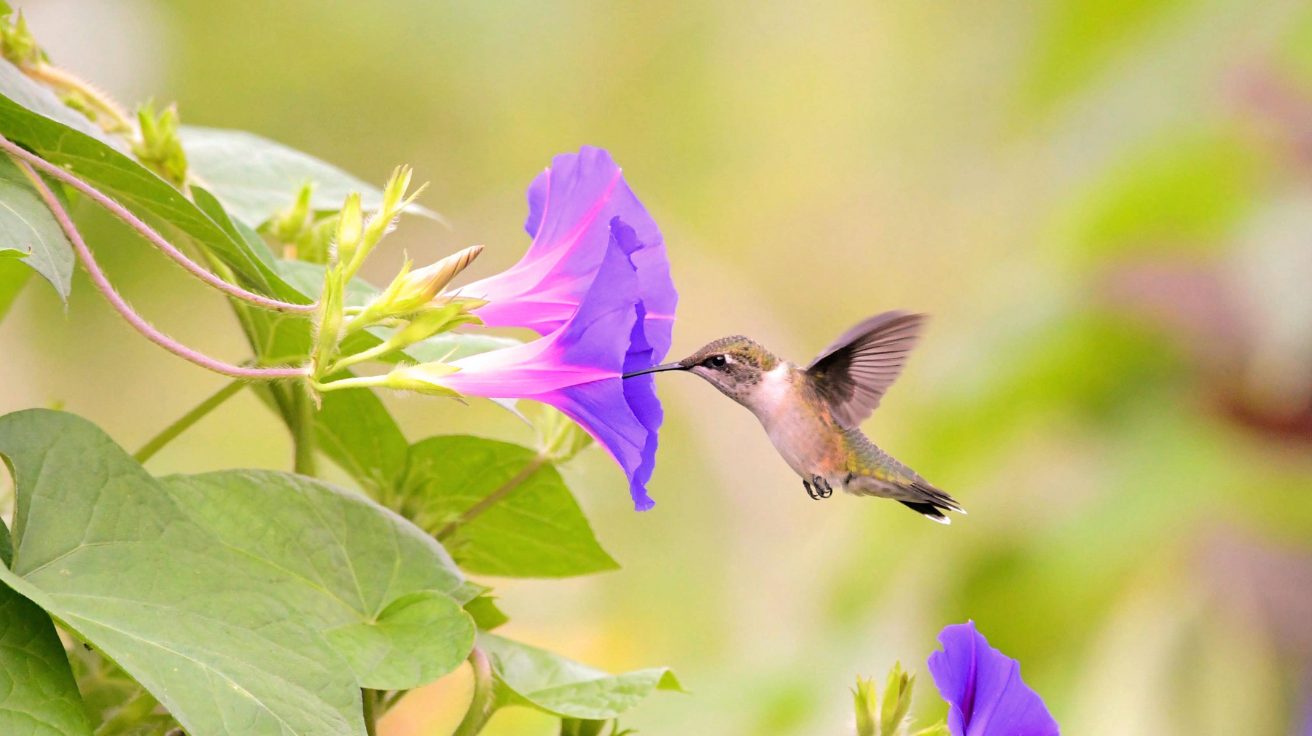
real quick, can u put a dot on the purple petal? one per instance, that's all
(577, 369)
(984, 690)
(601, 408)
(577, 209)
(537, 202)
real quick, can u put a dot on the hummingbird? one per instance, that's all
(812, 414)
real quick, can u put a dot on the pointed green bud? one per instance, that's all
(293, 222)
(329, 331)
(394, 190)
(897, 700)
(160, 146)
(350, 230)
(17, 44)
(866, 705)
(315, 244)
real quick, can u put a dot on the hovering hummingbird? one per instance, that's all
(812, 414)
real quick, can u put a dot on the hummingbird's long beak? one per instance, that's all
(657, 369)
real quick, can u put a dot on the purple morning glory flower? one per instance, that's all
(576, 368)
(578, 208)
(983, 688)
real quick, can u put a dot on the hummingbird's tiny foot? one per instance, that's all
(809, 491)
(822, 487)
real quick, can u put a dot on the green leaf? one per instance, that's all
(566, 688)
(38, 696)
(487, 616)
(501, 509)
(456, 345)
(6, 545)
(256, 177)
(118, 175)
(32, 95)
(13, 277)
(28, 229)
(217, 591)
(401, 647)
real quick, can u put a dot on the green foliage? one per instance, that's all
(255, 601)
(27, 117)
(534, 677)
(1185, 193)
(887, 715)
(37, 693)
(28, 230)
(255, 177)
(13, 277)
(188, 582)
(501, 509)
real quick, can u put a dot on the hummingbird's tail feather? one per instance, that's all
(873, 472)
(928, 510)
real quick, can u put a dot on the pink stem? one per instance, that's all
(138, 323)
(149, 233)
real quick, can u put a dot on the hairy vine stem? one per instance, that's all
(120, 305)
(149, 233)
(63, 79)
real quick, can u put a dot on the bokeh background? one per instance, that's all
(1106, 205)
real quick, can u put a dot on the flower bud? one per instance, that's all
(330, 319)
(17, 44)
(350, 227)
(411, 290)
(293, 222)
(160, 146)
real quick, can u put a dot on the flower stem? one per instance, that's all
(56, 77)
(149, 233)
(303, 431)
(353, 382)
(101, 282)
(481, 704)
(367, 697)
(169, 433)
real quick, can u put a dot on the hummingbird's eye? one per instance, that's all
(717, 361)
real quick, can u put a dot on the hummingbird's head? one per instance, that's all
(734, 365)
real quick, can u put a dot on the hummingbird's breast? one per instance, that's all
(799, 423)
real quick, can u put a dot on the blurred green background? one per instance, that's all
(1106, 206)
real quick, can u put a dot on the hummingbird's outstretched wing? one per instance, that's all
(854, 372)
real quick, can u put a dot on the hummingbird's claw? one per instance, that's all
(822, 488)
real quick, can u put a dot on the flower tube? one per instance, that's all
(575, 368)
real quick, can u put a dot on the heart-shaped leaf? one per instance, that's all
(500, 508)
(530, 676)
(217, 591)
